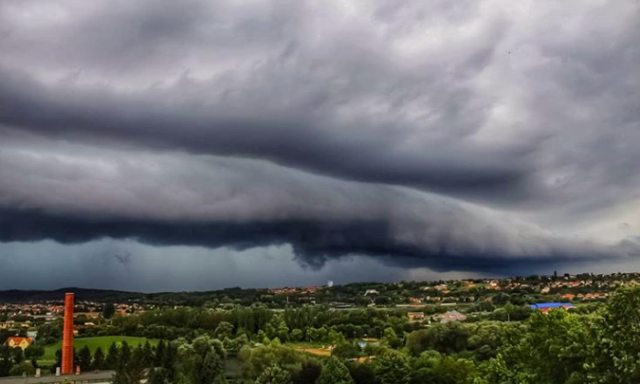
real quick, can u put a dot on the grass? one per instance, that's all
(93, 343)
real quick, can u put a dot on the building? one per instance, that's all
(19, 342)
(546, 307)
(415, 316)
(67, 336)
(452, 316)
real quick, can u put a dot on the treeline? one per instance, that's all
(309, 323)
(558, 348)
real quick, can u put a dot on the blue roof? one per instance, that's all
(550, 305)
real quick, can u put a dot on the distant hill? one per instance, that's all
(22, 296)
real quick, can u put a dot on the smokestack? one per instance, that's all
(67, 337)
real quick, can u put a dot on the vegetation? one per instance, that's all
(94, 343)
(320, 344)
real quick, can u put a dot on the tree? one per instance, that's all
(445, 338)
(169, 362)
(553, 350)
(5, 360)
(158, 376)
(24, 368)
(362, 373)
(345, 350)
(158, 357)
(148, 355)
(212, 367)
(297, 335)
(58, 358)
(224, 329)
(433, 368)
(618, 344)
(98, 359)
(113, 357)
(35, 350)
(308, 373)
(391, 339)
(84, 358)
(18, 355)
(200, 362)
(130, 371)
(108, 311)
(334, 372)
(392, 367)
(124, 354)
(274, 375)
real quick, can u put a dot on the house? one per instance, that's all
(415, 316)
(371, 292)
(568, 296)
(546, 307)
(441, 287)
(545, 290)
(452, 316)
(19, 342)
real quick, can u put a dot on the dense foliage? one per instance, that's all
(367, 346)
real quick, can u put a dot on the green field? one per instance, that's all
(93, 343)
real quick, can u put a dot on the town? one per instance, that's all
(317, 321)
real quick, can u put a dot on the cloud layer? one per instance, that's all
(463, 136)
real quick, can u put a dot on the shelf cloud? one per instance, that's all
(456, 136)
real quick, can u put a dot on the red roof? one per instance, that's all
(18, 340)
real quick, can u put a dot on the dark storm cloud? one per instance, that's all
(313, 242)
(76, 193)
(461, 136)
(302, 131)
(502, 106)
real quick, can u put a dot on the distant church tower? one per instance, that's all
(67, 336)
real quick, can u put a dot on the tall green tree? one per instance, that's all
(131, 371)
(334, 372)
(84, 359)
(274, 375)
(553, 350)
(158, 356)
(124, 355)
(617, 350)
(108, 310)
(98, 359)
(392, 367)
(113, 357)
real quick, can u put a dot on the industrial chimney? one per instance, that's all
(67, 337)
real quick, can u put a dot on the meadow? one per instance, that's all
(93, 343)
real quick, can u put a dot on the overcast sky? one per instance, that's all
(162, 145)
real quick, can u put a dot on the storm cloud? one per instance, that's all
(459, 136)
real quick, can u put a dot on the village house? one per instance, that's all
(19, 342)
(452, 316)
(415, 316)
